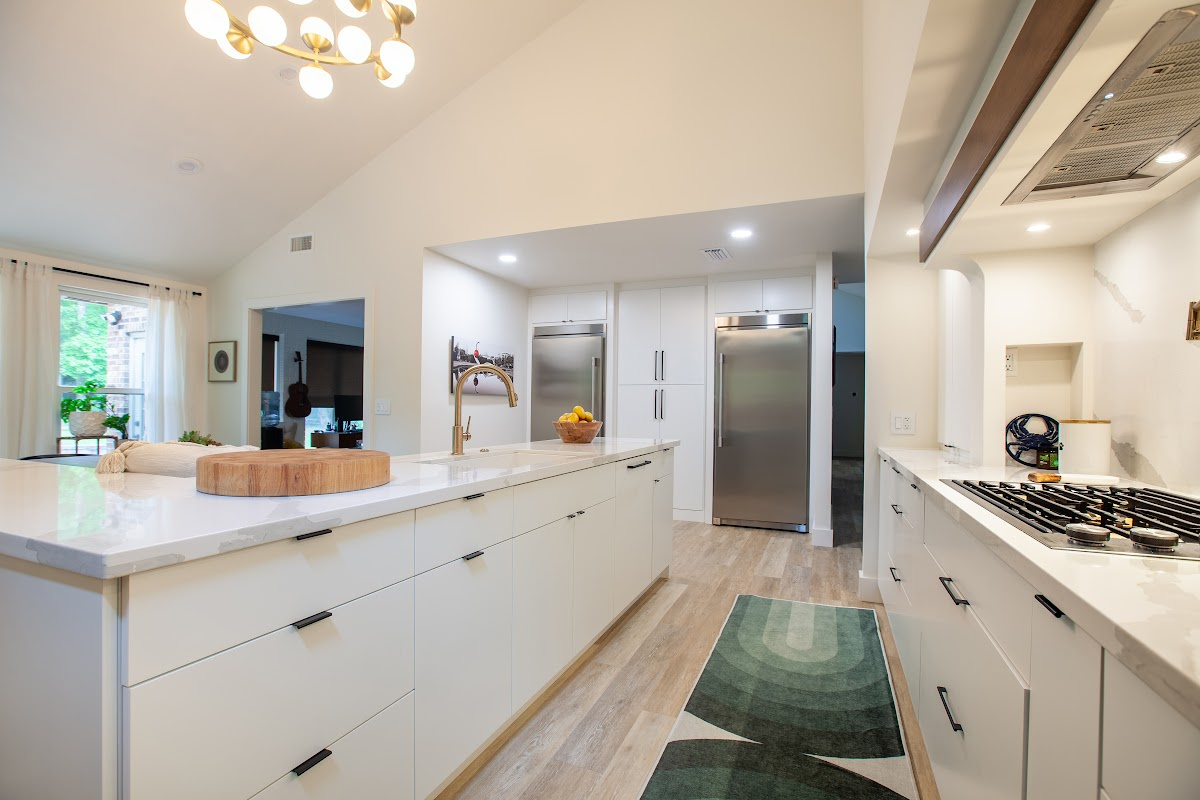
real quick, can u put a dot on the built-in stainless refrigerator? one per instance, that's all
(568, 371)
(761, 436)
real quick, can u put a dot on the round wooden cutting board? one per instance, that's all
(288, 473)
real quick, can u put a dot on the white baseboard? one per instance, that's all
(868, 589)
(687, 515)
(822, 537)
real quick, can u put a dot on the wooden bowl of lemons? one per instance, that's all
(577, 426)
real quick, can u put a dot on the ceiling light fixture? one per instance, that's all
(912, 232)
(741, 233)
(1038, 227)
(188, 166)
(1171, 157)
(508, 258)
(320, 46)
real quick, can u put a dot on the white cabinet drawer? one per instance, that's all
(1149, 749)
(911, 502)
(1001, 598)
(966, 681)
(180, 614)
(456, 528)
(253, 712)
(541, 502)
(373, 760)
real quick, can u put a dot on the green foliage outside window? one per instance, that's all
(83, 348)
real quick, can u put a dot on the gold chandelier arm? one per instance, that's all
(294, 52)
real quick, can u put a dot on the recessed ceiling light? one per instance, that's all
(1038, 227)
(508, 258)
(912, 231)
(741, 233)
(288, 73)
(188, 166)
(1171, 157)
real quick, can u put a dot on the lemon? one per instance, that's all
(578, 411)
(563, 418)
(587, 416)
(572, 417)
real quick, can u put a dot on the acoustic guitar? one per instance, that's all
(298, 404)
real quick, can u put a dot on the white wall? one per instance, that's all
(700, 105)
(1147, 375)
(850, 319)
(460, 301)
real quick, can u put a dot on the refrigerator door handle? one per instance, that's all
(721, 401)
(595, 369)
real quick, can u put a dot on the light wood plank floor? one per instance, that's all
(600, 732)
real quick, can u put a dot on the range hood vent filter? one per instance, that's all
(1149, 106)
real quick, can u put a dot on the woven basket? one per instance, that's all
(577, 432)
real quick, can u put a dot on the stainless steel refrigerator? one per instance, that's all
(760, 454)
(568, 371)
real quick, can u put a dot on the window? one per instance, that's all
(102, 338)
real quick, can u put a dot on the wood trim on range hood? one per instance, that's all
(1043, 38)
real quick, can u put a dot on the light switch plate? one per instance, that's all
(904, 423)
(383, 407)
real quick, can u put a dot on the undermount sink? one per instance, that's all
(508, 459)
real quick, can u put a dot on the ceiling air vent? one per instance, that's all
(301, 244)
(1149, 108)
(717, 254)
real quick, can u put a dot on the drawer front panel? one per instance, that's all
(373, 760)
(912, 503)
(451, 530)
(1001, 598)
(233, 723)
(177, 615)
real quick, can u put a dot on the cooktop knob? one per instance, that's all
(1088, 535)
(1154, 539)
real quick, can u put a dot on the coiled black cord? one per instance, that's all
(1021, 441)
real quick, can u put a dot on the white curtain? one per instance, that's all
(171, 394)
(29, 401)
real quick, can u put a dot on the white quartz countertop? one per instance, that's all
(1145, 611)
(106, 526)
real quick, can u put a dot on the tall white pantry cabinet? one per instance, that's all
(661, 378)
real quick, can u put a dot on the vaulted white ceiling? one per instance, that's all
(99, 100)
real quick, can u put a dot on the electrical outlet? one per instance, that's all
(1010, 362)
(383, 407)
(904, 423)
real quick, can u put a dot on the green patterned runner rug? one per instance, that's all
(795, 702)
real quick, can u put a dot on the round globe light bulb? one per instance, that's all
(301, 2)
(316, 26)
(316, 82)
(207, 18)
(354, 44)
(267, 25)
(354, 8)
(397, 56)
(228, 49)
(392, 81)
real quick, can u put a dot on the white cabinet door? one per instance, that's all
(1149, 749)
(664, 530)
(587, 306)
(592, 582)
(638, 336)
(548, 308)
(633, 534)
(787, 294)
(738, 297)
(464, 660)
(542, 567)
(972, 712)
(682, 335)
(373, 760)
(682, 412)
(1064, 709)
(637, 411)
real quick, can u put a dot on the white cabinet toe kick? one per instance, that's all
(375, 659)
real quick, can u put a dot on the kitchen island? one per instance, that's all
(163, 643)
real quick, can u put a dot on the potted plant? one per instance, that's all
(86, 413)
(119, 424)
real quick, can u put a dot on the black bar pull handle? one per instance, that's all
(958, 601)
(636, 466)
(893, 569)
(946, 705)
(470, 556)
(474, 496)
(313, 535)
(1046, 604)
(581, 513)
(914, 486)
(896, 509)
(315, 618)
(312, 762)
(572, 516)
(895, 470)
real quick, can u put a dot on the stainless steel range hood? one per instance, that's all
(1150, 106)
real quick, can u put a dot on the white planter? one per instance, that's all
(87, 423)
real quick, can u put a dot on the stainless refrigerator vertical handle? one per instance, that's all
(721, 402)
(595, 368)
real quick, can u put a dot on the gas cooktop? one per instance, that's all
(1095, 519)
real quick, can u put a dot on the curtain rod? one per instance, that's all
(99, 277)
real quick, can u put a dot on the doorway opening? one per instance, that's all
(849, 382)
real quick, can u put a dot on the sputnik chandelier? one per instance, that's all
(350, 46)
